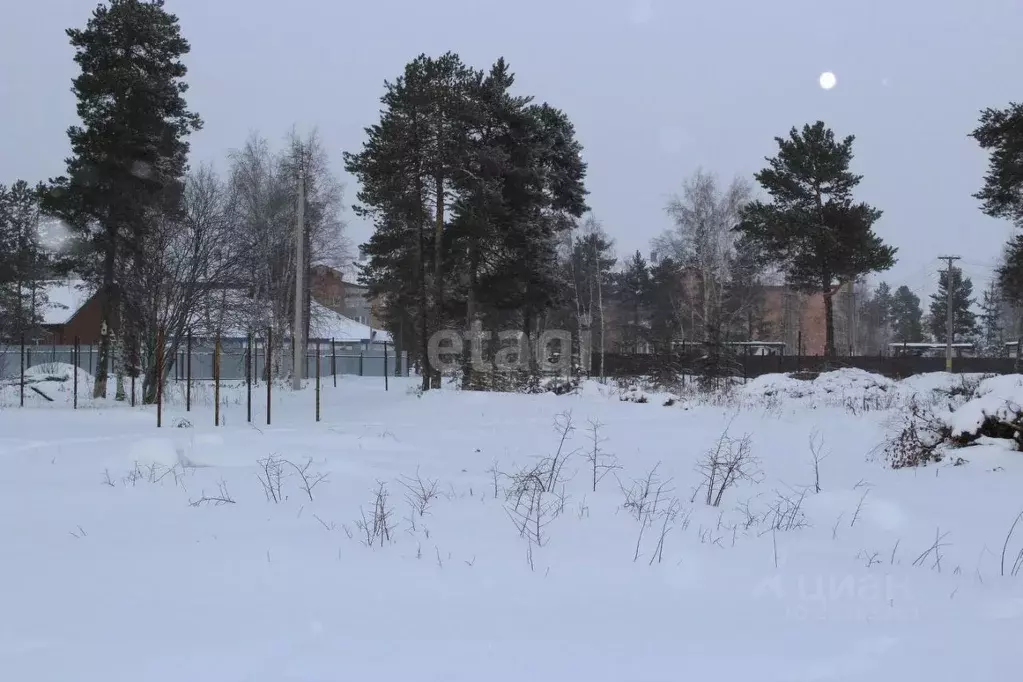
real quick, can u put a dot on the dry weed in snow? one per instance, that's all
(730, 461)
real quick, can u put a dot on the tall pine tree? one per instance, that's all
(470, 190)
(633, 295)
(667, 295)
(1000, 133)
(906, 317)
(129, 155)
(964, 320)
(406, 168)
(875, 317)
(1010, 271)
(992, 320)
(24, 264)
(813, 230)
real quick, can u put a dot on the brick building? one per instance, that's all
(329, 288)
(789, 316)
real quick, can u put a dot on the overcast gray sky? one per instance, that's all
(656, 89)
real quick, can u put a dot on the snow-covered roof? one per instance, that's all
(327, 324)
(65, 298)
(900, 344)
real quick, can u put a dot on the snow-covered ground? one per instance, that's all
(119, 562)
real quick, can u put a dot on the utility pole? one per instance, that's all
(298, 354)
(949, 326)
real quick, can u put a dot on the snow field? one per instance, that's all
(121, 563)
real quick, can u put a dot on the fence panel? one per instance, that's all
(631, 365)
(369, 362)
(36, 356)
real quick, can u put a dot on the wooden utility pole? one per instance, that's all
(298, 354)
(949, 321)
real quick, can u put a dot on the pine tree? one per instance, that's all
(23, 262)
(544, 196)
(480, 216)
(129, 155)
(964, 320)
(406, 169)
(992, 320)
(744, 296)
(906, 317)
(875, 316)
(666, 298)
(1010, 271)
(1000, 132)
(509, 174)
(812, 229)
(633, 288)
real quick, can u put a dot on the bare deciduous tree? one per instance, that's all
(262, 209)
(168, 281)
(704, 244)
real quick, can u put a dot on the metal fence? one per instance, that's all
(895, 367)
(340, 359)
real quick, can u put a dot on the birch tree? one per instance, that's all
(261, 209)
(703, 242)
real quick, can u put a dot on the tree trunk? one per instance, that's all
(705, 285)
(635, 328)
(438, 262)
(527, 326)
(468, 370)
(119, 394)
(424, 341)
(107, 309)
(600, 308)
(307, 296)
(829, 324)
(150, 385)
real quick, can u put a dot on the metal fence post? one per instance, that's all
(134, 367)
(248, 377)
(269, 370)
(799, 350)
(317, 380)
(361, 355)
(333, 360)
(385, 367)
(188, 372)
(159, 377)
(22, 370)
(74, 354)
(216, 381)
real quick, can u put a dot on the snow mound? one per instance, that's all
(160, 451)
(51, 383)
(996, 405)
(987, 416)
(845, 383)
